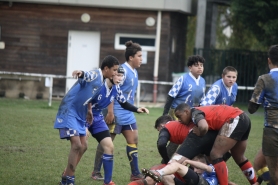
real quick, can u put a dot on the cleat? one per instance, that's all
(63, 181)
(136, 177)
(152, 174)
(97, 176)
(110, 183)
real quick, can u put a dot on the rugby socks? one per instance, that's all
(108, 167)
(98, 159)
(263, 173)
(70, 179)
(248, 170)
(221, 171)
(132, 154)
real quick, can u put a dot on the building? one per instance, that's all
(57, 36)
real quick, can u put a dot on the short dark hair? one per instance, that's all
(131, 49)
(194, 59)
(162, 120)
(109, 61)
(273, 54)
(228, 69)
(182, 106)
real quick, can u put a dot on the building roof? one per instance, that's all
(183, 6)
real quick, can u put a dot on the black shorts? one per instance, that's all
(237, 128)
(101, 135)
(194, 145)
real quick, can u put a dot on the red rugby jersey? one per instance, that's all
(216, 115)
(178, 132)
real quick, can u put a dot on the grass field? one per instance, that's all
(32, 153)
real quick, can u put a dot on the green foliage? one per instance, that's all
(32, 153)
(259, 17)
(190, 35)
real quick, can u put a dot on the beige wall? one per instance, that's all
(30, 86)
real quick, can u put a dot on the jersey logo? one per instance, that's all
(59, 120)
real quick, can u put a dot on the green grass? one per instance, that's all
(32, 153)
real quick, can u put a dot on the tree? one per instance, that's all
(259, 17)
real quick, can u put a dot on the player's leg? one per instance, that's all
(106, 144)
(270, 151)
(130, 133)
(73, 159)
(261, 167)
(187, 174)
(96, 174)
(194, 145)
(221, 145)
(241, 135)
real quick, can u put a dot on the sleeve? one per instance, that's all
(258, 92)
(162, 141)
(128, 106)
(120, 96)
(197, 115)
(168, 104)
(89, 76)
(174, 91)
(211, 96)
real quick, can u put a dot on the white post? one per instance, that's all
(156, 57)
(50, 90)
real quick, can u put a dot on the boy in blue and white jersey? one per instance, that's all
(189, 88)
(223, 91)
(109, 92)
(71, 116)
(125, 121)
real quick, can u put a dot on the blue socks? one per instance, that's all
(132, 154)
(107, 161)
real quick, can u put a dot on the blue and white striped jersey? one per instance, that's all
(128, 88)
(188, 89)
(210, 177)
(105, 97)
(219, 94)
(75, 102)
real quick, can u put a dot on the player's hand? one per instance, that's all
(143, 110)
(89, 117)
(77, 73)
(109, 119)
(87, 133)
(196, 130)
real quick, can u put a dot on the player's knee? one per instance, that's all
(76, 147)
(108, 149)
(215, 155)
(217, 160)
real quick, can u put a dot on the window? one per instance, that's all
(147, 42)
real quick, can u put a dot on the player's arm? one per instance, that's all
(211, 96)
(89, 116)
(168, 104)
(162, 141)
(202, 128)
(253, 107)
(133, 108)
(200, 165)
(255, 100)
(174, 91)
(109, 118)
